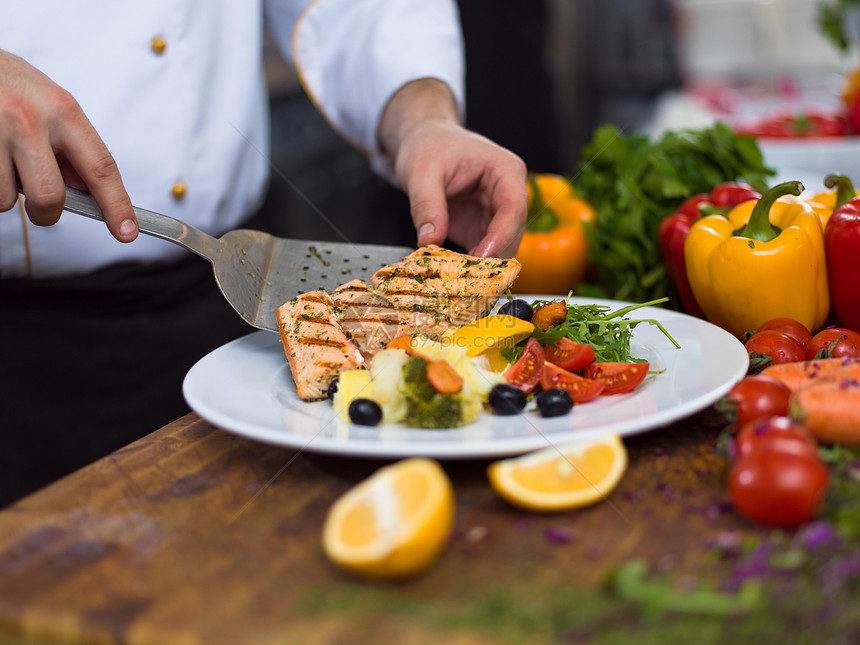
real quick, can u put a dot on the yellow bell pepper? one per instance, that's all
(554, 249)
(764, 260)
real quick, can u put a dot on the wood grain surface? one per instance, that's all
(195, 536)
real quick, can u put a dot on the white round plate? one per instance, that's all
(245, 387)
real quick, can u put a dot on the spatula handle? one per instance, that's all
(155, 224)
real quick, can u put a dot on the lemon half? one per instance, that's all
(394, 524)
(559, 478)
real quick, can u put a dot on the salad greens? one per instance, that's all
(634, 182)
(608, 332)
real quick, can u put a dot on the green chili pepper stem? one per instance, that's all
(544, 218)
(844, 188)
(759, 227)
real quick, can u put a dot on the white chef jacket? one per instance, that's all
(176, 90)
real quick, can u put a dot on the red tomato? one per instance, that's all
(756, 433)
(753, 397)
(619, 377)
(781, 483)
(781, 347)
(569, 354)
(835, 342)
(580, 389)
(525, 373)
(789, 327)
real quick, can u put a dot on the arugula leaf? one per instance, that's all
(608, 332)
(633, 183)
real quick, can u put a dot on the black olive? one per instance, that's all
(365, 412)
(332, 388)
(554, 402)
(507, 399)
(517, 308)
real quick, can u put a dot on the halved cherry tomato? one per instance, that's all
(581, 389)
(525, 372)
(780, 483)
(569, 354)
(789, 327)
(753, 397)
(754, 434)
(780, 347)
(619, 377)
(834, 342)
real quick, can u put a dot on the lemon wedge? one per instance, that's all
(491, 332)
(561, 478)
(394, 524)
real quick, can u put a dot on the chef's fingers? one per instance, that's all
(509, 202)
(87, 154)
(41, 180)
(8, 187)
(429, 208)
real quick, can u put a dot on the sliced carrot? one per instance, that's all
(830, 409)
(549, 314)
(802, 374)
(400, 342)
(444, 378)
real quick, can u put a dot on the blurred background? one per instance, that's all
(542, 74)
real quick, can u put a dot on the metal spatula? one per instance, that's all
(255, 271)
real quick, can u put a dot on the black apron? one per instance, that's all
(92, 363)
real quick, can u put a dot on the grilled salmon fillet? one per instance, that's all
(437, 289)
(316, 346)
(367, 317)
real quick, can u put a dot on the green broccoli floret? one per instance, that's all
(425, 407)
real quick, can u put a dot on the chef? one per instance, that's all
(163, 105)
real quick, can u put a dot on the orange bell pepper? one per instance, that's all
(554, 249)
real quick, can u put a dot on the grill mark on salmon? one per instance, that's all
(368, 317)
(452, 289)
(316, 346)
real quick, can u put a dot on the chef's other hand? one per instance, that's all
(460, 185)
(46, 138)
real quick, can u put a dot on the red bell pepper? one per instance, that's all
(841, 245)
(672, 233)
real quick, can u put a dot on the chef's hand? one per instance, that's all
(460, 185)
(47, 139)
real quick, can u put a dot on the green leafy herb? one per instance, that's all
(608, 332)
(634, 182)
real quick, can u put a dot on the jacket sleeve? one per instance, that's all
(353, 55)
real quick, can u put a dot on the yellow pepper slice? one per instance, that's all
(764, 260)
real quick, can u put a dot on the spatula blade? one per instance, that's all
(299, 266)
